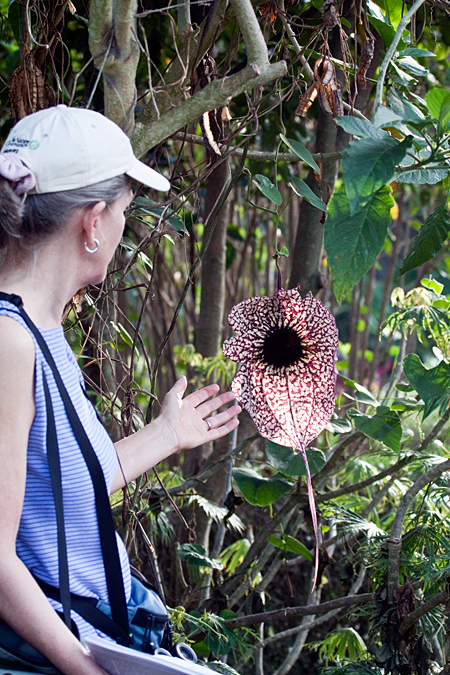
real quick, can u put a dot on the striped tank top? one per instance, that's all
(36, 543)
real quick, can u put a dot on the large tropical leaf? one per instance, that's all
(353, 242)
(368, 165)
(258, 490)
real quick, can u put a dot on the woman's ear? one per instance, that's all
(90, 221)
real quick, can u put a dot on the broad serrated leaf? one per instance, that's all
(432, 384)
(430, 239)
(292, 545)
(353, 242)
(301, 152)
(268, 189)
(369, 164)
(291, 463)
(257, 490)
(385, 426)
(360, 127)
(303, 190)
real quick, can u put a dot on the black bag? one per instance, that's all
(150, 622)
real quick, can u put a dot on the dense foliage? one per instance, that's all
(353, 205)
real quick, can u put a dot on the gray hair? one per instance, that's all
(25, 225)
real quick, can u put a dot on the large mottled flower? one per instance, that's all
(287, 379)
(287, 347)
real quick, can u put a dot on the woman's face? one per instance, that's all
(110, 230)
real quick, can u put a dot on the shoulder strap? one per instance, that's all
(55, 475)
(111, 559)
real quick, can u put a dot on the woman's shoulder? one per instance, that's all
(15, 339)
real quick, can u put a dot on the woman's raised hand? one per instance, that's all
(191, 420)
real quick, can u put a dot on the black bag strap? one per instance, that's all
(110, 553)
(87, 608)
(55, 475)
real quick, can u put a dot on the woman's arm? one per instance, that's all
(22, 603)
(180, 425)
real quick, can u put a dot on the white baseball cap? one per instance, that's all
(69, 148)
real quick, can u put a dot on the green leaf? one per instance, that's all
(363, 394)
(301, 152)
(194, 554)
(430, 239)
(422, 176)
(292, 545)
(369, 164)
(291, 463)
(257, 490)
(385, 426)
(338, 425)
(444, 115)
(147, 207)
(359, 127)
(432, 384)
(417, 52)
(284, 251)
(412, 66)
(353, 242)
(268, 189)
(394, 11)
(434, 99)
(433, 285)
(303, 190)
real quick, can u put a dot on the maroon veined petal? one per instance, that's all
(247, 386)
(243, 349)
(260, 314)
(302, 401)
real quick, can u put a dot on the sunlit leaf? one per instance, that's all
(360, 127)
(363, 394)
(339, 425)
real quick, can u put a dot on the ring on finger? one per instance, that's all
(208, 424)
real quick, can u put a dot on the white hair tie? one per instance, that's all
(13, 169)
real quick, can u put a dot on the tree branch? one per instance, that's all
(307, 610)
(391, 51)
(215, 95)
(113, 44)
(427, 606)
(395, 540)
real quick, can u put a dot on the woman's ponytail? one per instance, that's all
(11, 209)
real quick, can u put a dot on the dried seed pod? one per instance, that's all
(329, 14)
(323, 71)
(365, 60)
(306, 100)
(211, 123)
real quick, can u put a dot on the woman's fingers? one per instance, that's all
(222, 418)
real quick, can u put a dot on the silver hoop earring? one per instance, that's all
(92, 250)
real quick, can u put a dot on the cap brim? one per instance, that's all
(147, 176)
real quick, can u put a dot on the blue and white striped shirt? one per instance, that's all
(37, 536)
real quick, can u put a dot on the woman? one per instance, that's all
(64, 188)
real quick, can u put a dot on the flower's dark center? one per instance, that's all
(282, 347)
